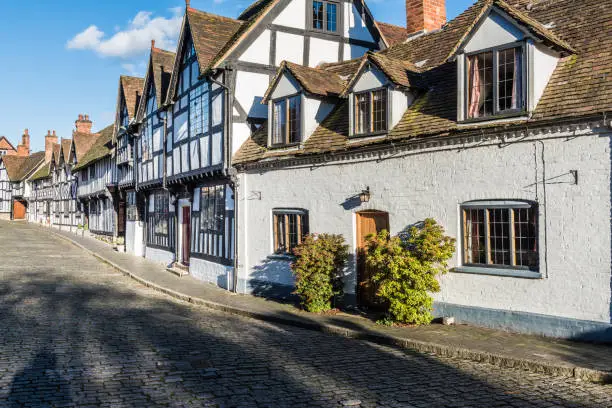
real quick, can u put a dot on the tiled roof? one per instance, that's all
(82, 142)
(66, 143)
(99, 150)
(57, 149)
(42, 173)
(255, 8)
(132, 91)
(580, 86)
(314, 81)
(5, 144)
(19, 168)
(210, 34)
(162, 62)
(392, 34)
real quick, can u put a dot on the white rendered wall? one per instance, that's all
(293, 15)
(494, 31)
(576, 281)
(211, 272)
(322, 51)
(352, 51)
(544, 64)
(314, 112)
(354, 26)
(159, 256)
(290, 47)
(259, 50)
(399, 104)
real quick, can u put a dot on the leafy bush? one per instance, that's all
(406, 268)
(318, 270)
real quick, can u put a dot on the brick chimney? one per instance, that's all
(425, 15)
(50, 141)
(23, 149)
(83, 124)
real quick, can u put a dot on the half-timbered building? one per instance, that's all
(130, 220)
(150, 164)
(66, 214)
(496, 124)
(6, 147)
(14, 171)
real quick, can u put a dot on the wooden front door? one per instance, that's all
(121, 218)
(369, 222)
(186, 241)
(19, 210)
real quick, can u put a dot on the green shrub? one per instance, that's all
(318, 270)
(406, 268)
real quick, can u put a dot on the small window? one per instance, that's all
(290, 228)
(286, 129)
(370, 112)
(92, 172)
(325, 16)
(213, 209)
(495, 83)
(500, 234)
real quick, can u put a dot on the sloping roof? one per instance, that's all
(581, 85)
(162, 62)
(99, 150)
(82, 142)
(5, 144)
(42, 173)
(393, 34)
(314, 81)
(66, 143)
(132, 91)
(255, 8)
(57, 149)
(210, 34)
(18, 168)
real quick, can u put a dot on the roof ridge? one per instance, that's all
(214, 15)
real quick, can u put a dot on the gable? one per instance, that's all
(494, 30)
(287, 85)
(370, 78)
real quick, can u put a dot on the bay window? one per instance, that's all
(500, 234)
(371, 112)
(495, 82)
(286, 123)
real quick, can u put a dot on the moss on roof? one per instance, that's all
(100, 149)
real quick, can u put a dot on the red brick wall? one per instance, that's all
(427, 15)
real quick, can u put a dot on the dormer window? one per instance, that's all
(371, 113)
(325, 16)
(495, 81)
(286, 128)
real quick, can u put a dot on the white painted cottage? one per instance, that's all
(496, 124)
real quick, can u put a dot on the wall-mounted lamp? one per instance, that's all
(365, 195)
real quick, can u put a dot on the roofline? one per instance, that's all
(8, 141)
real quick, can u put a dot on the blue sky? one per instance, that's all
(61, 58)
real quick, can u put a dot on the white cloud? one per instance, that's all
(134, 40)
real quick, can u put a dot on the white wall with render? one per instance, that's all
(293, 15)
(322, 51)
(574, 220)
(354, 26)
(259, 50)
(220, 275)
(292, 46)
(159, 255)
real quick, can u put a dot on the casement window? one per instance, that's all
(92, 172)
(495, 82)
(212, 209)
(500, 234)
(286, 126)
(124, 118)
(290, 228)
(213, 224)
(160, 213)
(325, 16)
(371, 112)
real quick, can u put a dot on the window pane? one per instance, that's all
(331, 17)
(379, 110)
(508, 75)
(294, 120)
(525, 237)
(280, 122)
(317, 15)
(474, 237)
(480, 85)
(362, 113)
(499, 236)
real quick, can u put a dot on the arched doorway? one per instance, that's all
(368, 222)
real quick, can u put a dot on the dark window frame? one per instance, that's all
(497, 113)
(282, 240)
(325, 18)
(518, 260)
(287, 141)
(371, 131)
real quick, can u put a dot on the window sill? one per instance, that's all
(282, 257)
(493, 118)
(365, 135)
(512, 273)
(292, 146)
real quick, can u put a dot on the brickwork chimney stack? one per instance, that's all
(23, 149)
(83, 124)
(425, 15)
(50, 142)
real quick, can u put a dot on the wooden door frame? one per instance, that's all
(358, 247)
(180, 205)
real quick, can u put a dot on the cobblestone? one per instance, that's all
(74, 333)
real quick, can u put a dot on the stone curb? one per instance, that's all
(535, 366)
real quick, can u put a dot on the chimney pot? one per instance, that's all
(152, 43)
(188, 3)
(54, 133)
(25, 132)
(80, 117)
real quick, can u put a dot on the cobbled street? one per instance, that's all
(76, 333)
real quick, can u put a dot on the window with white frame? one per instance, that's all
(286, 121)
(325, 15)
(290, 228)
(495, 82)
(370, 112)
(500, 234)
